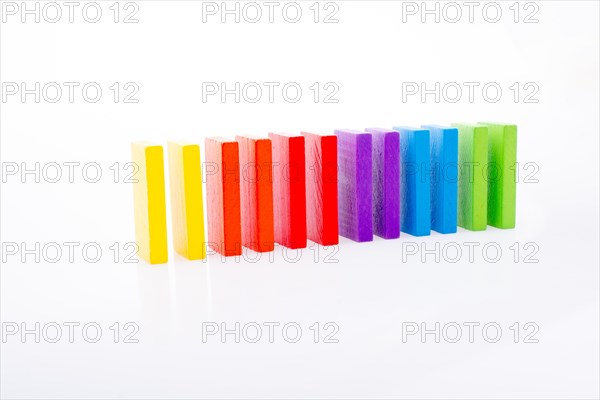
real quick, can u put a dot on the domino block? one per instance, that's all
(355, 184)
(321, 188)
(187, 210)
(502, 182)
(386, 183)
(444, 183)
(472, 185)
(416, 181)
(256, 193)
(150, 209)
(223, 196)
(289, 190)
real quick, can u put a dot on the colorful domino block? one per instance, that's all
(386, 183)
(355, 184)
(150, 208)
(321, 188)
(256, 187)
(444, 183)
(472, 183)
(289, 190)
(223, 196)
(416, 181)
(502, 182)
(187, 211)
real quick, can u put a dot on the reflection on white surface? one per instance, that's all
(368, 294)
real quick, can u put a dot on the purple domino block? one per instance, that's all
(386, 182)
(355, 185)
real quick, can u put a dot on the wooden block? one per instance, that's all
(416, 181)
(321, 188)
(256, 187)
(150, 203)
(386, 183)
(289, 190)
(472, 182)
(444, 183)
(223, 196)
(355, 184)
(502, 180)
(187, 210)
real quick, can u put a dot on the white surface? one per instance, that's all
(370, 292)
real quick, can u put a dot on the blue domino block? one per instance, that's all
(444, 182)
(416, 180)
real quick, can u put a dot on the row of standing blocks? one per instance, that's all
(286, 188)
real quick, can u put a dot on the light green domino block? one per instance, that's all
(502, 182)
(472, 182)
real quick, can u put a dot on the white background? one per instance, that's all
(370, 291)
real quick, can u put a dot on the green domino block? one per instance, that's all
(472, 182)
(502, 182)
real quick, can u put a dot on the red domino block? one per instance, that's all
(289, 190)
(223, 196)
(256, 186)
(321, 188)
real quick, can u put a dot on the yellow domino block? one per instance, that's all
(186, 200)
(149, 202)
